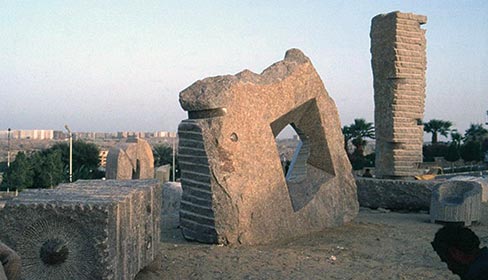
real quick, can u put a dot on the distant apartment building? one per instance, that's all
(95, 135)
(43, 134)
(161, 134)
(34, 134)
(103, 158)
(122, 134)
(59, 135)
(138, 134)
(84, 135)
(164, 134)
(4, 134)
(103, 135)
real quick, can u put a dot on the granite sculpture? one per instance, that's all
(85, 230)
(132, 159)
(399, 63)
(234, 189)
(456, 202)
(481, 181)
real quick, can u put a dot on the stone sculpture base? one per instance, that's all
(403, 195)
(456, 202)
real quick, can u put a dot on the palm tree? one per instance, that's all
(456, 137)
(475, 132)
(454, 150)
(435, 127)
(359, 130)
(475, 139)
(346, 131)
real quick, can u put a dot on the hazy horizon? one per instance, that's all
(119, 65)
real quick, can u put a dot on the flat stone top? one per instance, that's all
(212, 93)
(99, 192)
(397, 14)
(116, 183)
(457, 188)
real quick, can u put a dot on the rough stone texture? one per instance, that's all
(132, 159)
(234, 189)
(10, 263)
(171, 198)
(399, 63)
(456, 201)
(390, 194)
(162, 173)
(171, 204)
(483, 182)
(85, 230)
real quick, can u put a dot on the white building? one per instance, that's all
(35, 134)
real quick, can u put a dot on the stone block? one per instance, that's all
(163, 173)
(171, 198)
(234, 189)
(85, 230)
(402, 195)
(170, 211)
(456, 202)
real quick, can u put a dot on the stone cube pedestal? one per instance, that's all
(456, 202)
(85, 230)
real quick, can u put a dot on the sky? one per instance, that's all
(120, 65)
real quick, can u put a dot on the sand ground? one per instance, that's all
(376, 245)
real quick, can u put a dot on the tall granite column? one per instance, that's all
(399, 64)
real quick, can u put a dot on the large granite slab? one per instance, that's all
(234, 189)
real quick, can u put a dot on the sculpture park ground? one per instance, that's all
(378, 244)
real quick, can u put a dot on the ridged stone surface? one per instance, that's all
(398, 49)
(456, 201)
(85, 230)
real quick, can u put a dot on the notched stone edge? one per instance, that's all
(214, 92)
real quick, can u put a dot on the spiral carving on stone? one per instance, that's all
(57, 249)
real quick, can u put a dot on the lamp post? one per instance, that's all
(8, 148)
(70, 153)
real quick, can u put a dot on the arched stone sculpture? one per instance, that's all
(132, 159)
(234, 190)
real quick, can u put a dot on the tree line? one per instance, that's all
(471, 147)
(163, 154)
(50, 167)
